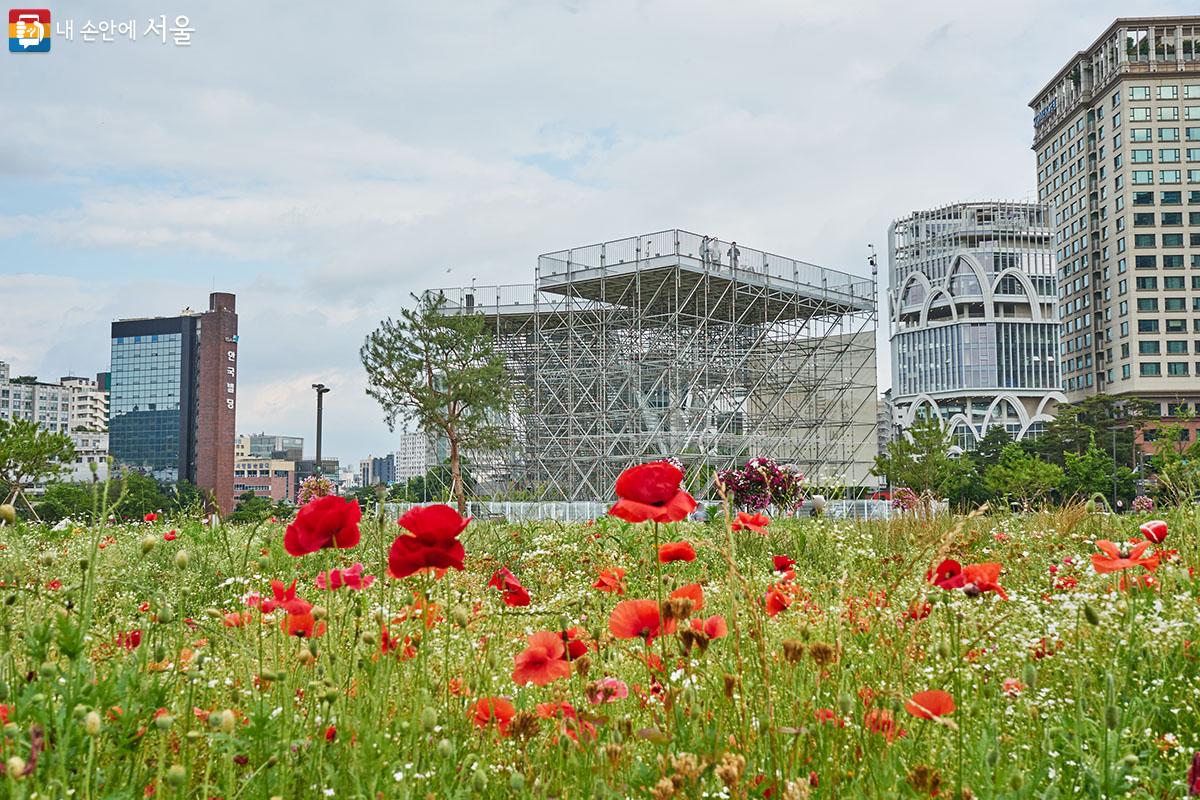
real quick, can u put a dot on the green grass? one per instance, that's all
(1108, 710)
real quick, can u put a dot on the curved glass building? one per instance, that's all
(974, 320)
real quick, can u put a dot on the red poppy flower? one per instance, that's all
(573, 642)
(511, 590)
(1114, 560)
(693, 592)
(611, 580)
(632, 619)
(881, 721)
(650, 492)
(351, 577)
(714, 627)
(543, 661)
(983, 577)
(827, 715)
(151, 517)
(1193, 777)
(328, 521)
(433, 543)
(1155, 530)
(751, 522)
(170, 536)
(783, 563)
(777, 600)
(489, 710)
(930, 704)
(330, 733)
(236, 619)
(131, 639)
(303, 625)
(947, 575)
(285, 599)
(676, 551)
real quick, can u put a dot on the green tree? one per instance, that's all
(1101, 418)
(439, 369)
(252, 508)
(1176, 464)
(987, 453)
(30, 454)
(1022, 477)
(66, 500)
(1090, 473)
(920, 459)
(139, 495)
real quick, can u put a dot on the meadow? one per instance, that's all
(789, 658)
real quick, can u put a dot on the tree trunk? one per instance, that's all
(456, 477)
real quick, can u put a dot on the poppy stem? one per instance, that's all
(658, 587)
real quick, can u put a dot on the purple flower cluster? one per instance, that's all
(905, 499)
(312, 487)
(1143, 504)
(760, 483)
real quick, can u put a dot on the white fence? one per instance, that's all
(584, 510)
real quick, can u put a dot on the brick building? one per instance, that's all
(174, 397)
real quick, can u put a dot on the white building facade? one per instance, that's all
(974, 320)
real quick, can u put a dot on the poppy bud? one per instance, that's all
(516, 782)
(3, 691)
(10, 599)
(148, 543)
(83, 565)
(1110, 684)
(845, 703)
(1090, 614)
(79, 711)
(1130, 760)
(330, 695)
(479, 780)
(181, 559)
(461, 615)
(264, 562)
(493, 660)
(993, 756)
(368, 638)
(165, 615)
(12, 730)
(46, 559)
(92, 723)
(15, 767)
(446, 749)
(943, 650)
(49, 669)
(1029, 675)
(1016, 782)
(429, 719)
(215, 613)
(164, 722)
(8, 513)
(176, 775)
(160, 653)
(272, 761)
(320, 612)
(1112, 717)
(305, 656)
(227, 721)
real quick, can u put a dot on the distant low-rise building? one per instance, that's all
(274, 478)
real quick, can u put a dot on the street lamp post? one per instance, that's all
(321, 389)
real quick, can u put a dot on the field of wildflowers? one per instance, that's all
(345, 655)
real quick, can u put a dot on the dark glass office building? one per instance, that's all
(173, 392)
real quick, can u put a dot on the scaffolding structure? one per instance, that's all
(678, 345)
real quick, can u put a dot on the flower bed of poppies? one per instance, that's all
(637, 656)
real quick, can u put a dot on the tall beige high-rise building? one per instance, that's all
(1117, 137)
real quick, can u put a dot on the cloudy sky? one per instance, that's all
(323, 160)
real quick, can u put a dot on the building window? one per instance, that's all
(1142, 176)
(1145, 326)
(1143, 240)
(1150, 368)
(1168, 92)
(1172, 240)
(1143, 198)
(1172, 218)
(1177, 347)
(1175, 304)
(1168, 113)
(1147, 304)
(1168, 134)
(1137, 135)
(1139, 93)
(1170, 176)
(1174, 282)
(1148, 347)
(1171, 198)
(1139, 114)
(1177, 368)
(1146, 282)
